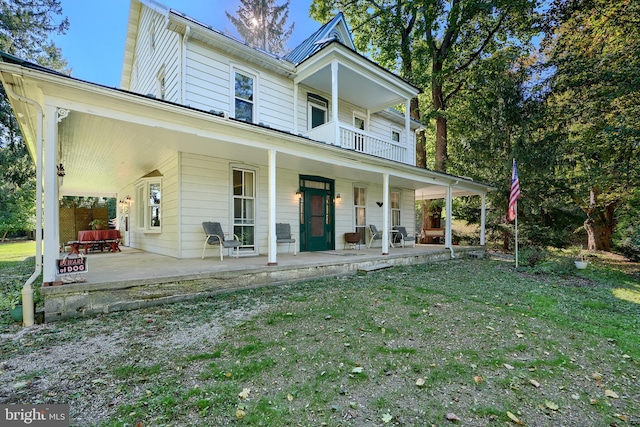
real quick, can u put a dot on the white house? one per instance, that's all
(206, 128)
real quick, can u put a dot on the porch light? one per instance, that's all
(61, 174)
(338, 197)
(298, 195)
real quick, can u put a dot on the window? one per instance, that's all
(395, 208)
(360, 212)
(149, 205)
(244, 200)
(318, 107)
(162, 84)
(395, 135)
(244, 97)
(152, 35)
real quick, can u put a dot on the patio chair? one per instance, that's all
(403, 238)
(283, 235)
(375, 234)
(215, 236)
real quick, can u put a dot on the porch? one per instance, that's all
(134, 279)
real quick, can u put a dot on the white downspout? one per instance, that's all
(448, 229)
(27, 289)
(183, 71)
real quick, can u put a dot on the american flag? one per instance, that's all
(515, 193)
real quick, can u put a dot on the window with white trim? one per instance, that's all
(244, 96)
(394, 198)
(161, 84)
(318, 108)
(149, 205)
(395, 135)
(244, 207)
(360, 212)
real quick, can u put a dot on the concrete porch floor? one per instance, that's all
(132, 278)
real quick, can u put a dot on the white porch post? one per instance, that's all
(50, 176)
(448, 203)
(273, 247)
(407, 132)
(295, 108)
(334, 101)
(385, 214)
(483, 218)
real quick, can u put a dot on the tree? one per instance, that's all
(262, 24)
(25, 26)
(593, 48)
(437, 40)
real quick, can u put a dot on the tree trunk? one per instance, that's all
(441, 144)
(598, 235)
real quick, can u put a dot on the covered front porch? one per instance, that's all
(134, 279)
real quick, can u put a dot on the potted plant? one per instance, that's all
(581, 261)
(98, 224)
(14, 303)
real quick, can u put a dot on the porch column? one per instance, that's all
(483, 218)
(295, 108)
(407, 131)
(273, 247)
(385, 214)
(51, 246)
(447, 235)
(334, 101)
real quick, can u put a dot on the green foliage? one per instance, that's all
(261, 23)
(532, 256)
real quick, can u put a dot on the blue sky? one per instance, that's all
(94, 44)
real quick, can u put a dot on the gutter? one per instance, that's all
(27, 289)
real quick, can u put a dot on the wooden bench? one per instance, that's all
(429, 235)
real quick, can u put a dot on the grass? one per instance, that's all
(474, 338)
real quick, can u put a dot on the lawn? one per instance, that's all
(462, 342)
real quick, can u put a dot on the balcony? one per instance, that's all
(363, 142)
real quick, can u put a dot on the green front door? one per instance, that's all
(317, 225)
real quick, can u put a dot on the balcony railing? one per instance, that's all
(360, 141)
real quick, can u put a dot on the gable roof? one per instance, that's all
(336, 29)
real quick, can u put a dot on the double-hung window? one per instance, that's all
(149, 205)
(244, 96)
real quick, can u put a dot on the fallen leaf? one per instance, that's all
(551, 405)
(244, 394)
(610, 393)
(477, 379)
(626, 356)
(622, 417)
(240, 414)
(490, 328)
(596, 376)
(228, 374)
(452, 417)
(357, 370)
(420, 382)
(534, 383)
(514, 418)
(386, 418)
(290, 397)
(383, 330)
(506, 365)
(593, 401)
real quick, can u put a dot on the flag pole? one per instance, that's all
(516, 210)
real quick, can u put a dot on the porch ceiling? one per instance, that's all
(354, 88)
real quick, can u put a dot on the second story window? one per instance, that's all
(318, 107)
(395, 135)
(162, 85)
(244, 97)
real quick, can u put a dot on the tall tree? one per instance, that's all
(25, 26)
(261, 23)
(594, 51)
(444, 39)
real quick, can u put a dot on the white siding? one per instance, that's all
(149, 61)
(206, 197)
(166, 242)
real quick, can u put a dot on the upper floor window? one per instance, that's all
(244, 91)
(395, 135)
(162, 84)
(152, 35)
(318, 107)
